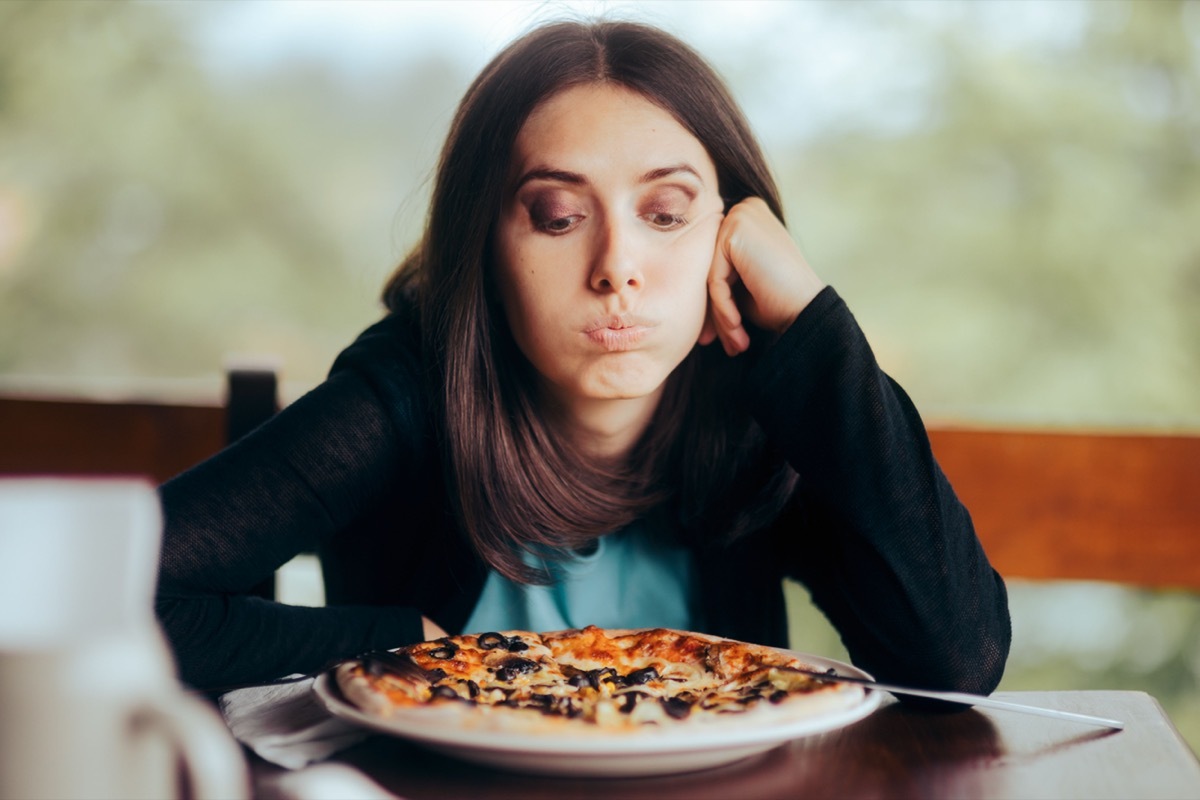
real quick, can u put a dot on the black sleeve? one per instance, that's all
(876, 532)
(307, 474)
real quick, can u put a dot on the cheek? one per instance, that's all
(507, 273)
(693, 251)
(691, 284)
(506, 289)
(690, 264)
(530, 301)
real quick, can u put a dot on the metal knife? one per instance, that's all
(966, 698)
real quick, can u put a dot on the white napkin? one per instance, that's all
(322, 782)
(285, 724)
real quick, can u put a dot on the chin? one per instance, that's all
(624, 387)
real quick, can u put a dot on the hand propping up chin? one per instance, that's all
(776, 283)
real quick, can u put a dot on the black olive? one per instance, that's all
(472, 689)
(446, 692)
(629, 700)
(436, 674)
(607, 675)
(590, 678)
(491, 640)
(777, 697)
(676, 707)
(513, 667)
(541, 699)
(516, 646)
(447, 651)
(640, 676)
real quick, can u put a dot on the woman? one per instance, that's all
(539, 434)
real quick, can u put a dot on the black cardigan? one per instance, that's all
(351, 469)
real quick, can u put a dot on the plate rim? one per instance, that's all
(649, 743)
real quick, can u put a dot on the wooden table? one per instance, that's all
(896, 752)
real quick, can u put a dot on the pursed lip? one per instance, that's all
(617, 332)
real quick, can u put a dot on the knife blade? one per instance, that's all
(966, 698)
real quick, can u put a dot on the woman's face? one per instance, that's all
(604, 243)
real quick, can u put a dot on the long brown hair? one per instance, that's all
(516, 484)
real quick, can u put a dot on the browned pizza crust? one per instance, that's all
(595, 677)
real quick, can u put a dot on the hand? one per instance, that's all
(432, 629)
(755, 250)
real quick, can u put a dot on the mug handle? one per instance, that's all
(213, 763)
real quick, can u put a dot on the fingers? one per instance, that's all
(432, 629)
(724, 317)
(758, 274)
(708, 332)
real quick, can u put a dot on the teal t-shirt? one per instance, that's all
(632, 579)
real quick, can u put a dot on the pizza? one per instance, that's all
(590, 678)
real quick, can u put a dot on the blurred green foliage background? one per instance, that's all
(1006, 193)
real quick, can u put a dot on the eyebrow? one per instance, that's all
(575, 178)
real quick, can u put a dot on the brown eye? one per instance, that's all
(560, 225)
(664, 221)
(553, 216)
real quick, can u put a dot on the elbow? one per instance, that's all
(972, 662)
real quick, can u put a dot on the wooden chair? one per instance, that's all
(252, 397)
(1081, 505)
(1046, 504)
(156, 440)
(56, 436)
(46, 436)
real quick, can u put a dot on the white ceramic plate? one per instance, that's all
(605, 753)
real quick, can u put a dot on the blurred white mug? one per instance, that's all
(91, 704)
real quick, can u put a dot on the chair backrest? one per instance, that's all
(60, 436)
(252, 397)
(55, 436)
(1046, 504)
(1076, 505)
(155, 440)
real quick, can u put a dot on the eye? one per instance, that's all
(664, 221)
(554, 215)
(558, 225)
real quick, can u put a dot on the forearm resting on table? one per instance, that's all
(225, 640)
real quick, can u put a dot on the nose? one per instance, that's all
(616, 264)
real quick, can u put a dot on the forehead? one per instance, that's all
(597, 128)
